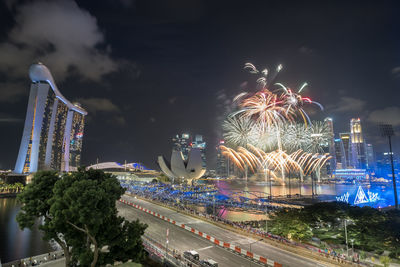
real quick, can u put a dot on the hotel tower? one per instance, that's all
(53, 131)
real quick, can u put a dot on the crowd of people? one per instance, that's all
(258, 228)
(182, 202)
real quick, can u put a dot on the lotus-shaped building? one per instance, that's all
(189, 169)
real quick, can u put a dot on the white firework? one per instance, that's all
(295, 136)
(267, 138)
(239, 130)
(320, 135)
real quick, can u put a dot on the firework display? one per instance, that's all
(271, 132)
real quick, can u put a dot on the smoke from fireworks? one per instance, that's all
(266, 121)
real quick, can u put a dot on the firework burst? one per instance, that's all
(239, 130)
(266, 121)
(294, 102)
(320, 135)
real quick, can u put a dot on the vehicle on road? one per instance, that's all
(209, 263)
(191, 255)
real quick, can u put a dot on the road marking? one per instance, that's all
(200, 249)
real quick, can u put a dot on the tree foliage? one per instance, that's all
(371, 229)
(79, 210)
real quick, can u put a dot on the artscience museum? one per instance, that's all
(179, 168)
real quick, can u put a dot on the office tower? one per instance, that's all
(183, 144)
(370, 157)
(358, 155)
(339, 154)
(331, 146)
(200, 144)
(345, 139)
(222, 162)
(53, 130)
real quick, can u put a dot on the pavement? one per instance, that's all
(158, 227)
(183, 240)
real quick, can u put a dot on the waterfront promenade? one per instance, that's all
(284, 257)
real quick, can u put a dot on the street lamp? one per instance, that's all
(352, 247)
(266, 220)
(252, 244)
(345, 232)
(387, 131)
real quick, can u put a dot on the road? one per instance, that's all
(181, 239)
(284, 257)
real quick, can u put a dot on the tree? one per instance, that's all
(85, 201)
(392, 232)
(385, 260)
(35, 200)
(80, 212)
(290, 224)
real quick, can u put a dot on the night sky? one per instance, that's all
(147, 70)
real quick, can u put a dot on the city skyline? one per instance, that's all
(199, 133)
(187, 89)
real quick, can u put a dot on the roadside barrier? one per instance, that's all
(217, 242)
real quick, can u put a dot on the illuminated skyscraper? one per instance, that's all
(370, 157)
(53, 130)
(331, 146)
(183, 144)
(358, 155)
(346, 155)
(222, 162)
(200, 144)
(339, 153)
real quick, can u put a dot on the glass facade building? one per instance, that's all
(53, 130)
(358, 149)
(346, 155)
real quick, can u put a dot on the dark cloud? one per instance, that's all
(396, 72)
(11, 92)
(347, 104)
(119, 120)
(8, 118)
(172, 100)
(305, 50)
(95, 105)
(60, 34)
(389, 115)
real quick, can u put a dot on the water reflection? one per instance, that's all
(15, 243)
(324, 192)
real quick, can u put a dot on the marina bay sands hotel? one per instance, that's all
(53, 131)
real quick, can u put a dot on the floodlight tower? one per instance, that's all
(387, 131)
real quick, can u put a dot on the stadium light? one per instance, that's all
(387, 131)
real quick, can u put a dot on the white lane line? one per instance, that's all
(200, 249)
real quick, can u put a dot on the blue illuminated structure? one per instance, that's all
(350, 174)
(361, 198)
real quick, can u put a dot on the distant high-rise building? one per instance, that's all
(222, 162)
(339, 154)
(346, 155)
(183, 144)
(200, 144)
(358, 155)
(370, 157)
(331, 146)
(53, 130)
